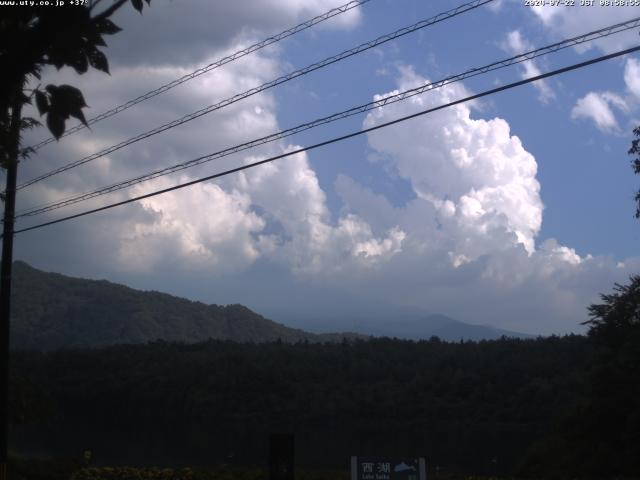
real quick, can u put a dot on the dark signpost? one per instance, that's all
(281, 456)
(385, 468)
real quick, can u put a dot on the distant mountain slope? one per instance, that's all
(412, 326)
(52, 311)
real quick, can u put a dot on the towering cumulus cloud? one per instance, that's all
(471, 246)
(478, 178)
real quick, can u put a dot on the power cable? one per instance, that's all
(223, 61)
(527, 56)
(265, 86)
(338, 139)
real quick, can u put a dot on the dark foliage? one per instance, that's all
(635, 163)
(613, 415)
(601, 437)
(474, 407)
(33, 37)
(37, 469)
(618, 316)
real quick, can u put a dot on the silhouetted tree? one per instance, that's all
(613, 320)
(31, 38)
(635, 163)
(610, 425)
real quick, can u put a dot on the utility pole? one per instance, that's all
(5, 282)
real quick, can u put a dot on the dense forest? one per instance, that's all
(478, 407)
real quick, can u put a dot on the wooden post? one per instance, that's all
(281, 456)
(5, 285)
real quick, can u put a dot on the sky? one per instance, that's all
(515, 210)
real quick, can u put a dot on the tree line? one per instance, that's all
(468, 407)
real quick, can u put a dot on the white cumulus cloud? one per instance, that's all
(596, 106)
(632, 76)
(516, 44)
(566, 22)
(471, 245)
(170, 33)
(277, 211)
(202, 227)
(474, 173)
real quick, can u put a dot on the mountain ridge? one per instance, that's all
(52, 311)
(412, 327)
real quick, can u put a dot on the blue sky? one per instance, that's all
(516, 210)
(570, 153)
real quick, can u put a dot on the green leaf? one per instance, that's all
(74, 101)
(42, 102)
(98, 40)
(65, 101)
(79, 62)
(79, 115)
(107, 27)
(93, 36)
(137, 4)
(52, 89)
(55, 122)
(55, 58)
(98, 60)
(67, 95)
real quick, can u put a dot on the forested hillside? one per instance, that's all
(53, 311)
(56, 311)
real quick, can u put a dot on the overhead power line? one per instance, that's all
(338, 139)
(265, 86)
(527, 56)
(218, 63)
